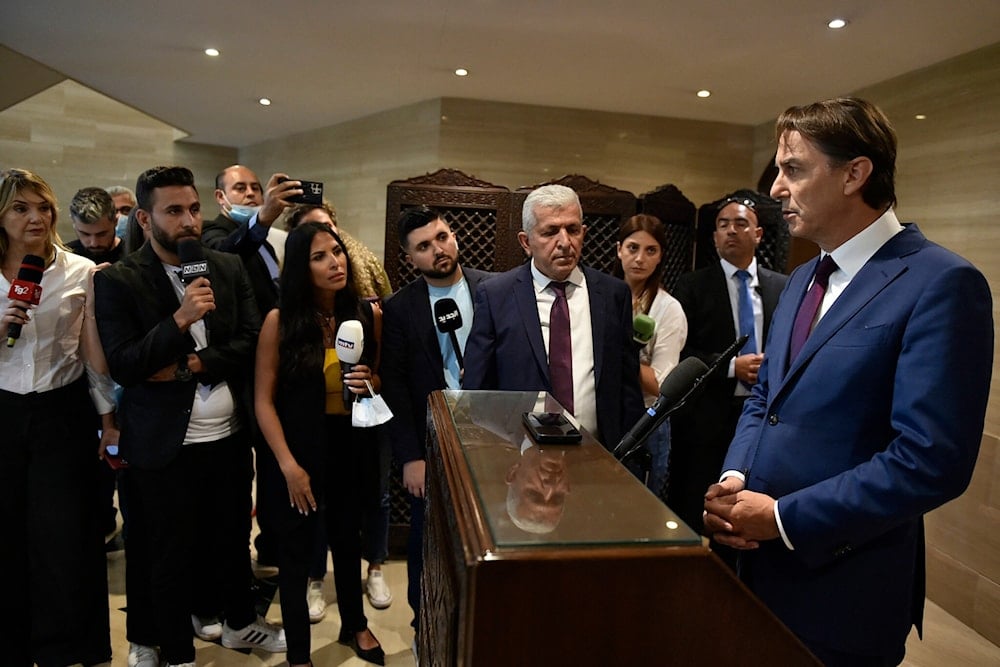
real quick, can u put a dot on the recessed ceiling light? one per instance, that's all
(461, 71)
(211, 52)
(920, 116)
(836, 24)
(704, 93)
(265, 101)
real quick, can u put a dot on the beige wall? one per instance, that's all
(74, 138)
(507, 144)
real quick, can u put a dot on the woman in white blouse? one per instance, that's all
(53, 557)
(642, 244)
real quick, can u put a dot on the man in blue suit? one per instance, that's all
(852, 435)
(509, 345)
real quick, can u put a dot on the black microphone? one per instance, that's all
(193, 262)
(674, 388)
(349, 345)
(193, 266)
(449, 320)
(26, 287)
(654, 415)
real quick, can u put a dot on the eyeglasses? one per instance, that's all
(749, 203)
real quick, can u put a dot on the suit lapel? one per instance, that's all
(877, 273)
(527, 306)
(599, 318)
(420, 315)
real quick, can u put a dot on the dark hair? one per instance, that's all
(160, 177)
(414, 218)
(301, 339)
(90, 205)
(846, 128)
(651, 225)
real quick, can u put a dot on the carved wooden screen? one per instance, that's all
(772, 253)
(478, 212)
(604, 210)
(678, 214)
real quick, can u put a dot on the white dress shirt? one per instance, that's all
(582, 335)
(57, 345)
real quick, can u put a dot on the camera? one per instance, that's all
(312, 193)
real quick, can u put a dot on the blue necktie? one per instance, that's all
(745, 311)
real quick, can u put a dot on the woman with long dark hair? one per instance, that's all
(642, 246)
(316, 454)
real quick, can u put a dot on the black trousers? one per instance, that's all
(187, 550)
(347, 483)
(53, 554)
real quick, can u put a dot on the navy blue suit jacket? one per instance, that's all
(877, 421)
(412, 365)
(506, 350)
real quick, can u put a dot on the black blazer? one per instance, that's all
(135, 303)
(225, 235)
(701, 433)
(412, 366)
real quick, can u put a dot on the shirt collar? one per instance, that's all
(730, 269)
(541, 281)
(851, 255)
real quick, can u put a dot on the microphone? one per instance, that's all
(643, 328)
(350, 344)
(674, 388)
(680, 385)
(449, 320)
(193, 262)
(193, 266)
(26, 287)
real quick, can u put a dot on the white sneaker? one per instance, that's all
(179, 664)
(142, 656)
(377, 590)
(314, 598)
(207, 628)
(259, 634)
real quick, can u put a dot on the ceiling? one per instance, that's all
(323, 63)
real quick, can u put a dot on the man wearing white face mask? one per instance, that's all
(247, 212)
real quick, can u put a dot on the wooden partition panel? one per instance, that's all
(604, 210)
(478, 212)
(772, 253)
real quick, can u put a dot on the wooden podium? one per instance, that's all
(556, 555)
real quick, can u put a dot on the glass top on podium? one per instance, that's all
(567, 495)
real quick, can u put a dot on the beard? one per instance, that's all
(447, 270)
(168, 242)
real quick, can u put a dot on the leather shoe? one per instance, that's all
(373, 655)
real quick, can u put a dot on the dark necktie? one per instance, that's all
(560, 348)
(810, 306)
(745, 312)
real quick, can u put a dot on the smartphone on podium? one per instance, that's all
(551, 428)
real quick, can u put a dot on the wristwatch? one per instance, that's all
(183, 373)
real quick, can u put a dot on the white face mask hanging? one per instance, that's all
(370, 410)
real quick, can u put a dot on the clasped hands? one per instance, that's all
(737, 518)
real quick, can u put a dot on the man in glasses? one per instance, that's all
(732, 297)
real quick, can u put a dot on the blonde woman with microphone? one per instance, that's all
(316, 454)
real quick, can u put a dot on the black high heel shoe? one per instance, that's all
(373, 655)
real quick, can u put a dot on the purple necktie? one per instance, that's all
(810, 306)
(560, 348)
